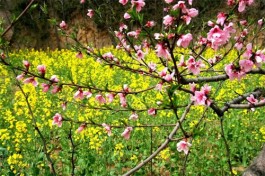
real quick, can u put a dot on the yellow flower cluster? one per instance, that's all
(119, 150)
(164, 154)
(16, 163)
(262, 131)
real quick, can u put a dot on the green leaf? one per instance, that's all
(34, 6)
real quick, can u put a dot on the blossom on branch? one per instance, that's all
(57, 120)
(107, 128)
(138, 4)
(127, 132)
(31, 80)
(183, 146)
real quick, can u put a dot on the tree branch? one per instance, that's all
(169, 139)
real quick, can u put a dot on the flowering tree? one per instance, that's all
(174, 63)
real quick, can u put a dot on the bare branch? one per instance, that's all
(169, 139)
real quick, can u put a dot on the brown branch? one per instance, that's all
(73, 151)
(38, 131)
(169, 139)
(16, 20)
(226, 146)
(217, 78)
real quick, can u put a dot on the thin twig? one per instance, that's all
(169, 139)
(73, 150)
(16, 20)
(226, 146)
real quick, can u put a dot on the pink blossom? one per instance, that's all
(31, 80)
(140, 55)
(221, 17)
(26, 64)
(79, 94)
(90, 13)
(184, 40)
(82, 1)
(244, 33)
(133, 116)
(56, 89)
(163, 72)
(260, 22)
(123, 2)
(181, 62)
(168, 20)
(41, 69)
(54, 79)
(194, 66)
(183, 146)
(79, 55)
(210, 23)
(202, 41)
(180, 5)
(126, 16)
(169, 77)
(110, 97)
(107, 128)
(123, 27)
(108, 55)
(100, 99)
(158, 36)
(20, 77)
(138, 4)
(63, 25)
(127, 132)
(246, 65)
(126, 88)
(190, 2)
(186, 19)
(151, 111)
(88, 94)
(152, 67)
(192, 87)
(252, 100)
(168, 1)
(119, 35)
(159, 86)
(229, 29)
(217, 37)
(233, 72)
(45, 87)
(259, 57)
(243, 22)
(57, 120)
(123, 101)
(150, 24)
(199, 98)
(248, 53)
(81, 128)
(238, 45)
(162, 51)
(134, 34)
(170, 36)
(3, 56)
(230, 2)
(192, 12)
(243, 3)
(206, 89)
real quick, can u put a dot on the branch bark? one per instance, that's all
(169, 139)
